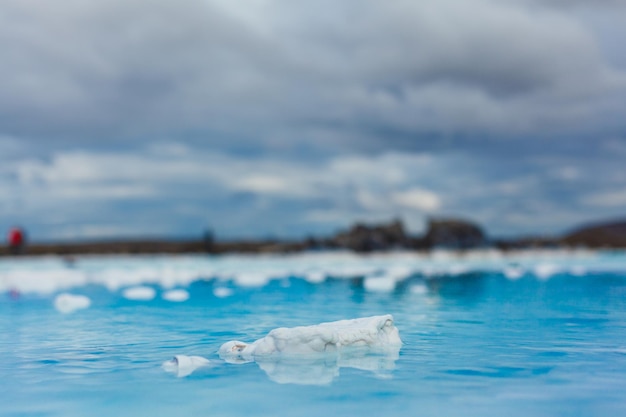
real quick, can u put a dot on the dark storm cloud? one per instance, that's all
(140, 68)
(118, 68)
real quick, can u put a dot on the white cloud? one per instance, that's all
(74, 188)
(607, 199)
(265, 184)
(102, 192)
(418, 199)
(567, 173)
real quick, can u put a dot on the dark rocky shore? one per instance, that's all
(441, 233)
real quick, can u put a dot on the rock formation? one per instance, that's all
(367, 238)
(611, 235)
(453, 234)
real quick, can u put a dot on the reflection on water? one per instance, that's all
(468, 287)
(313, 355)
(319, 369)
(322, 370)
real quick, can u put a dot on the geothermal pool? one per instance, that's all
(483, 333)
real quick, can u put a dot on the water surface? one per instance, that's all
(538, 334)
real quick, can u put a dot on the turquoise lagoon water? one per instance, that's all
(529, 334)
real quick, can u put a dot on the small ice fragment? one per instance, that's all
(222, 292)
(545, 271)
(236, 352)
(176, 296)
(139, 293)
(315, 277)
(419, 289)
(67, 303)
(578, 271)
(513, 273)
(252, 279)
(379, 284)
(183, 365)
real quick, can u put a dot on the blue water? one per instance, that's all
(475, 342)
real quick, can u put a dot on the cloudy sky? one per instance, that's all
(283, 118)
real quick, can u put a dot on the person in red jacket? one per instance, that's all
(16, 240)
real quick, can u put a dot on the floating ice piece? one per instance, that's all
(545, 271)
(44, 282)
(419, 289)
(377, 332)
(176, 296)
(315, 277)
(578, 270)
(313, 355)
(68, 303)
(183, 365)
(139, 293)
(252, 279)
(380, 284)
(222, 292)
(513, 273)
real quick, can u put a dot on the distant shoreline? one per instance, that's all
(453, 234)
(154, 247)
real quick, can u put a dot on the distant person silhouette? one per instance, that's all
(16, 239)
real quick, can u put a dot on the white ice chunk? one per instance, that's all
(513, 273)
(140, 293)
(544, 271)
(68, 303)
(315, 277)
(419, 289)
(222, 292)
(313, 355)
(44, 282)
(177, 296)
(252, 279)
(377, 332)
(183, 365)
(382, 283)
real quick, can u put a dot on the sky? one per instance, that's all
(275, 118)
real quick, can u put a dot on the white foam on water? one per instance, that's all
(177, 296)
(388, 279)
(182, 365)
(67, 303)
(42, 282)
(50, 275)
(140, 293)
